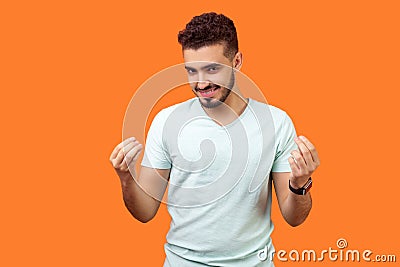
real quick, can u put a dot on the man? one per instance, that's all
(219, 194)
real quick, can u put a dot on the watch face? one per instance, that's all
(303, 190)
(308, 185)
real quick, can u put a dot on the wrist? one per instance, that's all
(301, 190)
(297, 183)
(126, 180)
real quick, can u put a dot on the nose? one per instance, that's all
(202, 84)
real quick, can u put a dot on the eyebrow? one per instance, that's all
(212, 65)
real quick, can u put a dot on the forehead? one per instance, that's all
(208, 54)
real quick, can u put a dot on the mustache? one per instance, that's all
(207, 87)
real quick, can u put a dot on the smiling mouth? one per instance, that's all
(208, 91)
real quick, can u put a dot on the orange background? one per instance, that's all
(70, 68)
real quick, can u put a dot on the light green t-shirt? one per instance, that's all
(219, 192)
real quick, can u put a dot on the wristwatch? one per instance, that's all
(302, 190)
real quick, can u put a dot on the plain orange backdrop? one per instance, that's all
(70, 68)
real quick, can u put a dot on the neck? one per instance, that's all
(233, 106)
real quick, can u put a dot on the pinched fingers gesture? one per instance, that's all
(125, 154)
(303, 162)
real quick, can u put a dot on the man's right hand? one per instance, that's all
(124, 157)
(143, 197)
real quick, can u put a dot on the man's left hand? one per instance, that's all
(303, 162)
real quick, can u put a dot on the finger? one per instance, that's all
(137, 155)
(127, 149)
(133, 154)
(118, 147)
(306, 153)
(312, 149)
(294, 167)
(114, 153)
(131, 158)
(299, 160)
(121, 154)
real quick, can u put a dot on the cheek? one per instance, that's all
(193, 78)
(192, 85)
(222, 79)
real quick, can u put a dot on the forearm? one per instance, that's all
(296, 208)
(142, 194)
(141, 205)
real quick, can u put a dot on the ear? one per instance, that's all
(238, 60)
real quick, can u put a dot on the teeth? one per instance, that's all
(209, 90)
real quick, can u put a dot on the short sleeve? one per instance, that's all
(155, 153)
(285, 144)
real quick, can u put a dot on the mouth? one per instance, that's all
(208, 91)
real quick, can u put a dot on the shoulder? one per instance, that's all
(283, 124)
(278, 115)
(165, 113)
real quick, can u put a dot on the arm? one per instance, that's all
(295, 208)
(142, 194)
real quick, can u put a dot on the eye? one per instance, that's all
(190, 71)
(212, 69)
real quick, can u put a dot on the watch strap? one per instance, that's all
(302, 190)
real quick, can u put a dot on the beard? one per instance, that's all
(208, 102)
(211, 102)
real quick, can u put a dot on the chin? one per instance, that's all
(210, 102)
(215, 101)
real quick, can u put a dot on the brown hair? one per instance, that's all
(210, 29)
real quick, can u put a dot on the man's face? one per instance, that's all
(210, 74)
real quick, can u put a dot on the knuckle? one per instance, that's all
(122, 166)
